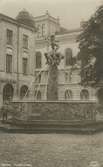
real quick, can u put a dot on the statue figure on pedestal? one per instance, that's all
(53, 59)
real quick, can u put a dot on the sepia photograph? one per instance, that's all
(51, 83)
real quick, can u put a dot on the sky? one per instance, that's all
(70, 12)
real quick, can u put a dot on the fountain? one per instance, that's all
(53, 114)
(53, 60)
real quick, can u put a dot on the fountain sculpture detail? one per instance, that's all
(53, 59)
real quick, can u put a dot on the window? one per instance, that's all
(9, 37)
(99, 95)
(84, 95)
(24, 91)
(43, 30)
(25, 41)
(68, 94)
(68, 76)
(39, 31)
(38, 59)
(8, 63)
(39, 78)
(37, 95)
(68, 57)
(8, 92)
(25, 64)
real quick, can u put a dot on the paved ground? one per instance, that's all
(51, 150)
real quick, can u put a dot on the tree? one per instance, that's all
(91, 48)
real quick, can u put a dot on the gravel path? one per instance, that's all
(51, 150)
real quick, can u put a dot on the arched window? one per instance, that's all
(38, 59)
(84, 94)
(24, 92)
(68, 94)
(38, 95)
(68, 57)
(8, 92)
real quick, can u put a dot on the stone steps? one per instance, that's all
(48, 127)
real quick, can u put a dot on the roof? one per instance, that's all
(26, 18)
(14, 21)
(67, 31)
(37, 18)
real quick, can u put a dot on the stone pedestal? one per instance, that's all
(52, 88)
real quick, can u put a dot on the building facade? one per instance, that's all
(17, 54)
(69, 87)
(23, 69)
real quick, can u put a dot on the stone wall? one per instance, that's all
(60, 110)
